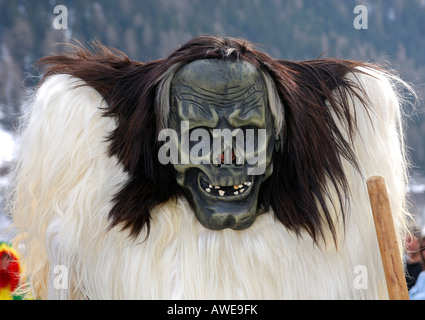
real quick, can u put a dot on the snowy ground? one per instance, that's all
(7, 154)
(7, 143)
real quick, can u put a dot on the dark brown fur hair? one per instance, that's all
(312, 148)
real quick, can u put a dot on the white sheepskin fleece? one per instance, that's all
(65, 182)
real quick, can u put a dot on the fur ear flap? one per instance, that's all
(316, 97)
(121, 82)
(129, 88)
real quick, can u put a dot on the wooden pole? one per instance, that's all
(387, 239)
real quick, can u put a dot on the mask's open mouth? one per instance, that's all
(230, 192)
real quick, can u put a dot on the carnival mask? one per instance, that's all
(223, 132)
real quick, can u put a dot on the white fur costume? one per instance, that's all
(65, 183)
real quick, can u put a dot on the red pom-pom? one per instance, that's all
(9, 270)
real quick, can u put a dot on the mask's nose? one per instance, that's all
(228, 156)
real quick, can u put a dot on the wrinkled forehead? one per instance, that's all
(218, 77)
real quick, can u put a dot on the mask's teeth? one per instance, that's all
(240, 186)
(229, 190)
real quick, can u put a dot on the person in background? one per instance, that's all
(417, 292)
(413, 257)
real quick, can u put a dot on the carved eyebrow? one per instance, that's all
(196, 103)
(239, 92)
(211, 96)
(253, 104)
(212, 92)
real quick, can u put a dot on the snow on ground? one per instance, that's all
(7, 146)
(415, 187)
(7, 155)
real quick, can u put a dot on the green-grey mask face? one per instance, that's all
(225, 138)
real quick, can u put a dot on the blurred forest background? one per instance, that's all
(150, 29)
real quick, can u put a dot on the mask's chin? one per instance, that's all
(232, 204)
